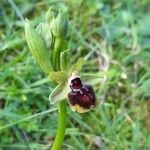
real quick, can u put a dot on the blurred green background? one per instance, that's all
(116, 37)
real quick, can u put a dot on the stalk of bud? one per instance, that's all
(58, 25)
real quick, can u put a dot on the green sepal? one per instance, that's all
(59, 93)
(38, 48)
(78, 65)
(59, 76)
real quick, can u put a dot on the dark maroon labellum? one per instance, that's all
(76, 84)
(81, 95)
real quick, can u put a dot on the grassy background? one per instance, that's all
(118, 35)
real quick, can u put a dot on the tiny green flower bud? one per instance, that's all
(59, 26)
(46, 34)
(51, 14)
(38, 48)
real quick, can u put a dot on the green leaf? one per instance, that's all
(59, 93)
(59, 76)
(78, 65)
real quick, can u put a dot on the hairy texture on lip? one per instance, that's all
(83, 97)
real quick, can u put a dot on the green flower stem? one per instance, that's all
(62, 111)
(61, 126)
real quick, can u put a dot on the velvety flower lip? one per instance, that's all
(81, 97)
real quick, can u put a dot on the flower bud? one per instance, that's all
(59, 26)
(51, 14)
(38, 48)
(46, 34)
(81, 97)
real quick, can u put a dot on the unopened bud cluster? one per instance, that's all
(43, 40)
(58, 23)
